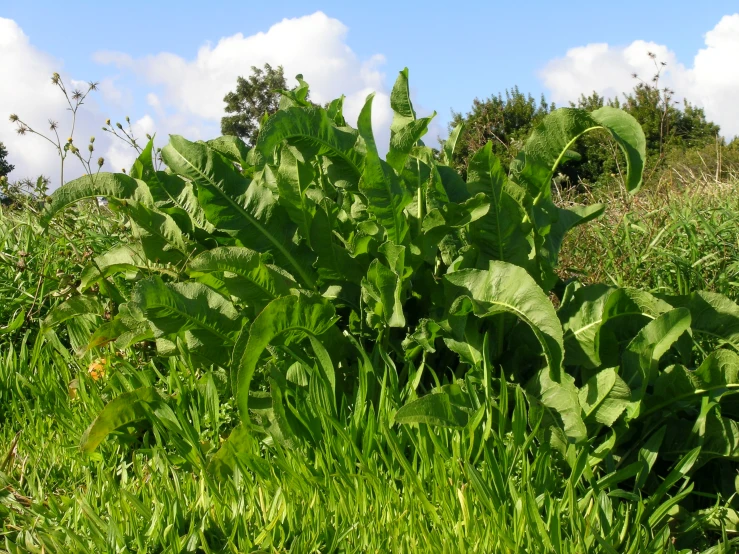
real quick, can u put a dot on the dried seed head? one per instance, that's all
(21, 265)
(148, 136)
(92, 139)
(128, 120)
(13, 118)
(55, 78)
(101, 161)
(53, 125)
(123, 169)
(90, 147)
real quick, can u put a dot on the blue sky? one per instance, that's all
(456, 51)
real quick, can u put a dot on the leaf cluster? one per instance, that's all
(302, 264)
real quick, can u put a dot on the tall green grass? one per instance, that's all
(674, 239)
(395, 489)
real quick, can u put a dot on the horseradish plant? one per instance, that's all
(327, 281)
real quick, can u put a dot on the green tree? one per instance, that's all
(5, 166)
(253, 98)
(504, 120)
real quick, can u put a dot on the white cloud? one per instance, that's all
(26, 90)
(313, 45)
(712, 82)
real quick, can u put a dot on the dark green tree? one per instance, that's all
(5, 166)
(504, 120)
(253, 98)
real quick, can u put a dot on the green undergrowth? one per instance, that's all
(672, 240)
(304, 347)
(413, 489)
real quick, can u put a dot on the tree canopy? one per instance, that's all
(253, 98)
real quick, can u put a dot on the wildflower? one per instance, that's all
(128, 120)
(69, 140)
(101, 161)
(97, 368)
(119, 125)
(90, 147)
(53, 125)
(107, 121)
(55, 78)
(13, 118)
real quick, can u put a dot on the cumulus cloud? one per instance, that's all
(711, 82)
(314, 46)
(175, 94)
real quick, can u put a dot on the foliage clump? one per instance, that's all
(394, 316)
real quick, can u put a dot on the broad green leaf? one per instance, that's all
(581, 314)
(335, 111)
(505, 232)
(641, 359)
(295, 97)
(253, 281)
(604, 397)
(712, 314)
(567, 219)
(123, 410)
(294, 177)
(143, 170)
(234, 450)
(209, 321)
(509, 288)
(405, 130)
(182, 193)
(381, 292)
(450, 144)
(232, 148)
(165, 241)
(552, 139)
(560, 402)
(75, 306)
(233, 204)
(677, 385)
(294, 316)
(386, 196)
(110, 185)
(334, 262)
(446, 407)
(124, 330)
(314, 133)
(124, 257)
(624, 314)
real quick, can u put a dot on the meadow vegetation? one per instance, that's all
(301, 346)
